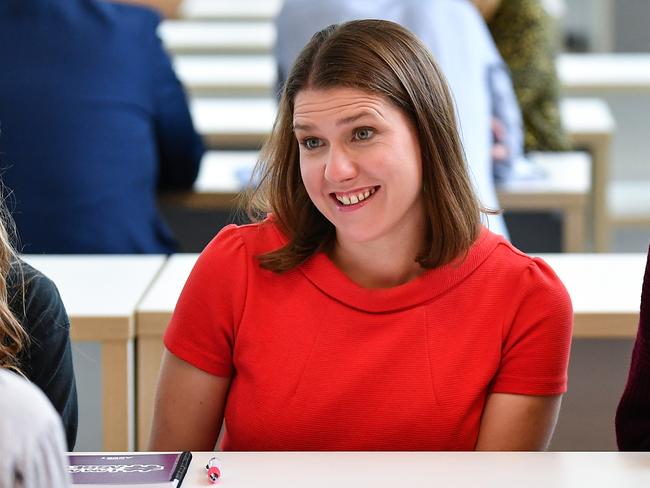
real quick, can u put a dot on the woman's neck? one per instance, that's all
(379, 264)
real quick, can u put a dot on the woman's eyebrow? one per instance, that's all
(344, 121)
(305, 127)
(353, 118)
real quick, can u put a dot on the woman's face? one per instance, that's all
(361, 165)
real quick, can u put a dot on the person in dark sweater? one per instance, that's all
(93, 123)
(633, 413)
(35, 333)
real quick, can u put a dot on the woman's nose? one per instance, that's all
(339, 166)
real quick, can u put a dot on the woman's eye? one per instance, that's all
(311, 143)
(363, 134)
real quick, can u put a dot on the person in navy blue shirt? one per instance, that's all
(93, 123)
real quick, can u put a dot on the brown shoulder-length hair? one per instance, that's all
(382, 58)
(13, 337)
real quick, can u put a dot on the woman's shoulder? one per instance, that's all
(31, 294)
(506, 259)
(251, 239)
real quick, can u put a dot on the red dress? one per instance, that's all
(320, 363)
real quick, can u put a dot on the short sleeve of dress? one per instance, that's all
(205, 321)
(536, 343)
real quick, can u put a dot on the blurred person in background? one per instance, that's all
(93, 124)
(525, 36)
(35, 332)
(633, 414)
(32, 447)
(455, 33)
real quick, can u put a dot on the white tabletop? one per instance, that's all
(225, 171)
(217, 37)
(230, 9)
(164, 292)
(424, 469)
(586, 115)
(251, 75)
(612, 72)
(629, 199)
(607, 283)
(99, 286)
(251, 117)
(559, 172)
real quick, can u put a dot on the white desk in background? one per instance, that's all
(565, 187)
(229, 10)
(217, 37)
(629, 203)
(233, 122)
(100, 294)
(604, 288)
(226, 75)
(604, 72)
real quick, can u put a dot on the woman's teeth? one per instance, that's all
(351, 199)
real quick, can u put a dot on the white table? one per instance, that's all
(217, 37)
(233, 122)
(629, 203)
(422, 469)
(565, 187)
(605, 290)
(229, 9)
(226, 75)
(604, 72)
(100, 294)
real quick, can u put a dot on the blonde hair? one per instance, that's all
(13, 337)
(383, 58)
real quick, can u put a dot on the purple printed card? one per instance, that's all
(121, 469)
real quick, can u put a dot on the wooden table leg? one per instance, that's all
(117, 391)
(150, 349)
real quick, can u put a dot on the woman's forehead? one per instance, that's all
(311, 102)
